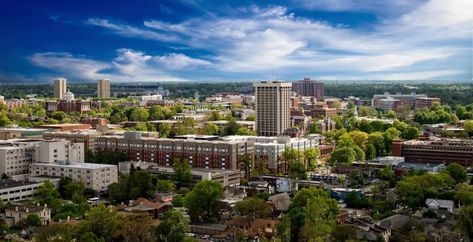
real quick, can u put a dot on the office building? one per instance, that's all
(309, 88)
(199, 153)
(103, 88)
(273, 106)
(60, 86)
(439, 151)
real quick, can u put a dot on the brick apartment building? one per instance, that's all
(200, 153)
(442, 151)
(308, 87)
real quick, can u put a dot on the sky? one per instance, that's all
(235, 40)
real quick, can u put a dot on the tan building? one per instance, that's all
(19, 213)
(85, 137)
(60, 85)
(273, 106)
(103, 88)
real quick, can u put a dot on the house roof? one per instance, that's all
(281, 201)
(394, 222)
(439, 203)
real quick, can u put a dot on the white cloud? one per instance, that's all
(129, 65)
(420, 41)
(129, 31)
(63, 63)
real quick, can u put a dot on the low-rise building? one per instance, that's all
(225, 177)
(14, 191)
(438, 151)
(94, 176)
(21, 212)
(66, 127)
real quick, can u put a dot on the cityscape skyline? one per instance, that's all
(165, 41)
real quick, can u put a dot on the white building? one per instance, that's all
(94, 176)
(272, 148)
(273, 106)
(15, 157)
(14, 191)
(51, 151)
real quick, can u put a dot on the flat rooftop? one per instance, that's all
(4, 184)
(76, 165)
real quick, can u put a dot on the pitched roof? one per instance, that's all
(394, 222)
(439, 202)
(281, 201)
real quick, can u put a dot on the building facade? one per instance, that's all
(103, 88)
(199, 153)
(273, 106)
(60, 85)
(309, 88)
(15, 157)
(442, 151)
(94, 176)
(84, 137)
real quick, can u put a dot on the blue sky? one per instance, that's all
(196, 40)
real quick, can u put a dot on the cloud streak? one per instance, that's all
(418, 42)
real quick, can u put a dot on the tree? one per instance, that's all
(245, 131)
(410, 133)
(165, 186)
(463, 194)
(139, 114)
(231, 128)
(33, 220)
(103, 222)
(186, 126)
(182, 172)
(297, 170)
(246, 162)
(164, 130)
(173, 227)
(47, 192)
(356, 200)
(178, 201)
(311, 215)
(311, 154)
(344, 232)
(377, 139)
(345, 155)
(457, 172)
(415, 189)
(211, 129)
(468, 126)
(370, 152)
(202, 201)
(136, 227)
(464, 222)
(156, 113)
(252, 207)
